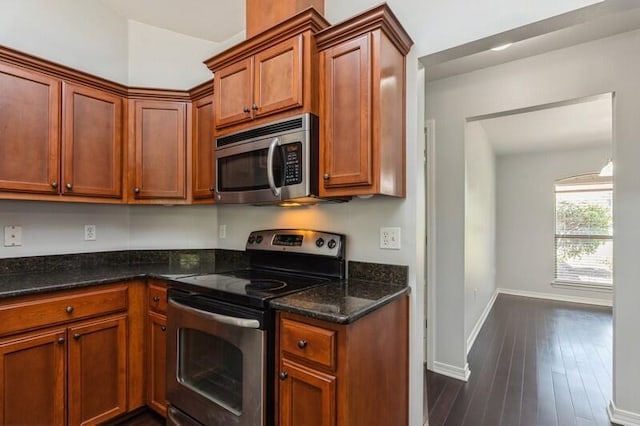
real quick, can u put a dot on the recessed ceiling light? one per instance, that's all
(501, 47)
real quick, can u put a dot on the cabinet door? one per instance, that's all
(345, 156)
(97, 370)
(92, 142)
(160, 149)
(232, 90)
(278, 77)
(29, 131)
(156, 362)
(32, 379)
(203, 149)
(307, 397)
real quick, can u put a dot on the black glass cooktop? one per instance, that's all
(249, 287)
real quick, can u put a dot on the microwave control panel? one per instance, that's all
(292, 163)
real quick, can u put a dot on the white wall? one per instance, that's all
(608, 65)
(479, 225)
(85, 35)
(526, 209)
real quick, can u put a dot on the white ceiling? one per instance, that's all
(213, 20)
(565, 127)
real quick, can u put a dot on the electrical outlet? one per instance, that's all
(390, 238)
(222, 232)
(89, 232)
(12, 236)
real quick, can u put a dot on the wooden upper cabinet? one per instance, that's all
(92, 142)
(362, 105)
(233, 93)
(33, 385)
(160, 149)
(278, 77)
(346, 160)
(98, 371)
(29, 131)
(203, 169)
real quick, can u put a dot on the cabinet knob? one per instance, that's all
(284, 375)
(60, 340)
(69, 186)
(69, 309)
(254, 107)
(136, 190)
(163, 328)
(302, 344)
(76, 336)
(212, 189)
(54, 184)
(246, 110)
(325, 176)
(156, 299)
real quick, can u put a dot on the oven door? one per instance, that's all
(264, 170)
(216, 363)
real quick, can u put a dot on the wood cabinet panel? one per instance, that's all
(307, 397)
(313, 344)
(157, 363)
(157, 295)
(160, 149)
(92, 142)
(278, 77)
(34, 312)
(30, 131)
(346, 159)
(233, 93)
(32, 369)
(203, 149)
(98, 370)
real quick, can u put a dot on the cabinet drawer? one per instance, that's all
(46, 311)
(311, 343)
(157, 298)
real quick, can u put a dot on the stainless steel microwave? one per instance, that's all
(270, 164)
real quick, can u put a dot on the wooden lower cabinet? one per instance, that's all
(32, 368)
(97, 370)
(157, 363)
(307, 396)
(344, 374)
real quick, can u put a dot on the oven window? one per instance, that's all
(211, 367)
(248, 171)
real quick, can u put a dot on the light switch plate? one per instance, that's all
(12, 236)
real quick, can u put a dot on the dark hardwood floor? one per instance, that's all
(535, 362)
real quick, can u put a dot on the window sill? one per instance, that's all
(601, 288)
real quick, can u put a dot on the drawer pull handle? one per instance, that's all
(76, 336)
(156, 299)
(163, 328)
(284, 375)
(302, 344)
(60, 340)
(69, 309)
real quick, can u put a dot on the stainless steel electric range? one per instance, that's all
(221, 343)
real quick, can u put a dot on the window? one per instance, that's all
(584, 231)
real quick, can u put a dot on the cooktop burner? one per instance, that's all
(264, 285)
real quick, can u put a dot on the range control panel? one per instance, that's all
(297, 241)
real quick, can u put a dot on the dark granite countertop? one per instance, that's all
(341, 302)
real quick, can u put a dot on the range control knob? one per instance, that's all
(320, 242)
(251, 239)
(332, 244)
(258, 239)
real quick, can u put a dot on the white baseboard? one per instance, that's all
(483, 317)
(452, 371)
(622, 417)
(559, 297)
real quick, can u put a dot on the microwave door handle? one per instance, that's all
(270, 178)
(224, 319)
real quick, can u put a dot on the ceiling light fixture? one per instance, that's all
(607, 170)
(501, 47)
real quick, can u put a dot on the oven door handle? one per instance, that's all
(270, 178)
(224, 319)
